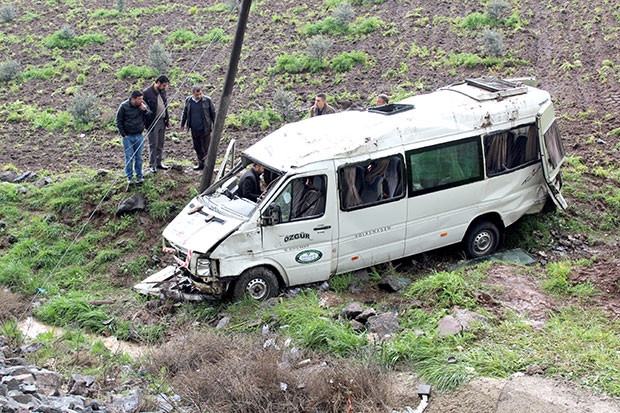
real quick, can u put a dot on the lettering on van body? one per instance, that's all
(530, 176)
(372, 231)
(299, 235)
(308, 257)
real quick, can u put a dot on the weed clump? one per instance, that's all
(9, 70)
(159, 58)
(318, 47)
(284, 105)
(344, 13)
(7, 13)
(84, 108)
(493, 43)
(120, 5)
(497, 10)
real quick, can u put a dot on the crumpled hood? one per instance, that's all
(197, 228)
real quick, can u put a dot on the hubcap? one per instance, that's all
(483, 242)
(257, 288)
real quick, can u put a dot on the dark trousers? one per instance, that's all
(201, 140)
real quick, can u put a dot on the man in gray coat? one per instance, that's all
(199, 115)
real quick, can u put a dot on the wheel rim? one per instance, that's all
(483, 242)
(257, 288)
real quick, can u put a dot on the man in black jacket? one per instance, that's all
(199, 114)
(156, 123)
(249, 184)
(130, 118)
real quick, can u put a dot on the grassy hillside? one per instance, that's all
(66, 258)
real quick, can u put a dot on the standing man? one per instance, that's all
(199, 114)
(321, 107)
(156, 123)
(130, 118)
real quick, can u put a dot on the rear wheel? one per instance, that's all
(259, 283)
(481, 240)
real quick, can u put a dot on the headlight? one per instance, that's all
(203, 267)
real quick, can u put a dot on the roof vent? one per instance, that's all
(391, 108)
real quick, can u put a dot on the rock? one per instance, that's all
(28, 176)
(383, 325)
(467, 318)
(42, 182)
(357, 326)
(361, 275)
(102, 172)
(365, 315)
(351, 310)
(8, 176)
(448, 326)
(134, 203)
(222, 323)
(390, 284)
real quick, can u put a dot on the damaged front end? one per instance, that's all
(199, 269)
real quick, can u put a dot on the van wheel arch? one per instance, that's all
(483, 236)
(259, 283)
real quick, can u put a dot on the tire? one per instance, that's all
(258, 283)
(482, 239)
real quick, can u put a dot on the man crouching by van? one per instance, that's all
(249, 184)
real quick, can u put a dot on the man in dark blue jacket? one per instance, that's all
(130, 118)
(199, 114)
(157, 122)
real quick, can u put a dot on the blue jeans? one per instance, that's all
(133, 146)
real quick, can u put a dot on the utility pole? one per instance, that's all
(222, 111)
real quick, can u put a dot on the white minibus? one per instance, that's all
(357, 188)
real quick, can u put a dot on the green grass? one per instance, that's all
(444, 290)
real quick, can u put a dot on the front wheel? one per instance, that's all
(481, 240)
(258, 283)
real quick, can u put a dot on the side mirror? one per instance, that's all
(272, 215)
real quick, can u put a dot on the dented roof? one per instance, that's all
(474, 106)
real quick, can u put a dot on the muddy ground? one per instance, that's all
(572, 49)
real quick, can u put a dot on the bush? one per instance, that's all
(493, 43)
(344, 13)
(290, 63)
(345, 61)
(7, 13)
(497, 10)
(65, 38)
(317, 48)
(84, 108)
(284, 105)
(9, 70)
(120, 5)
(159, 58)
(137, 72)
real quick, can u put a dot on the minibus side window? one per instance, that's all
(444, 166)
(371, 182)
(510, 150)
(554, 145)
(302, 198)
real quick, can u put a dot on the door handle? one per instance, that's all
(321, 228)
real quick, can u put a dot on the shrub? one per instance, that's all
(493, 43)
(84, 108)
(159, 58)
(9, 70)
(368, 25)
(137, 72)
(290, 63)
(284, 105)
(65, 38)
(7, 13)
(120, 5)
(345, 61)
(344, 13)
(317, 48)
(497, 10)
